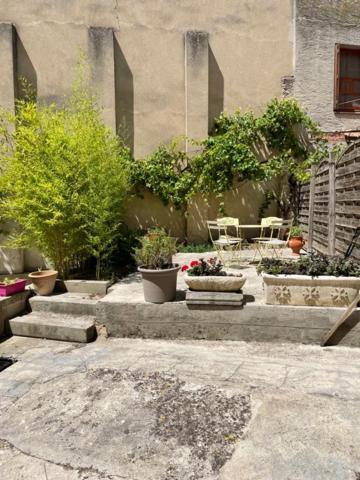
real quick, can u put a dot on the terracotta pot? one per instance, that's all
(44, 281)
(159, 285)
(296, 244)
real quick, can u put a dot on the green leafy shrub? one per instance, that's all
(165, 173)
(281, 141)
(156, 250)
(65, 178)
(313, 264)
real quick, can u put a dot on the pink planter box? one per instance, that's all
(8, 290)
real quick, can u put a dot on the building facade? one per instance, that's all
(167, 68)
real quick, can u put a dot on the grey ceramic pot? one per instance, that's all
(159, 285)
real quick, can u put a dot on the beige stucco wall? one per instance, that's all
(242, 201)
(147, 85)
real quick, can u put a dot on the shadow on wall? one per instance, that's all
(149, 211)
(216, 90)
(124, 97)
(25, 70)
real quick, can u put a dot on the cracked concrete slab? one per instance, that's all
(171, 410)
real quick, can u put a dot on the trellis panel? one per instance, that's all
(330, 204)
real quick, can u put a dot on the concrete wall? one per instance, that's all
(249, 50)
(319, 26)
(161, 69)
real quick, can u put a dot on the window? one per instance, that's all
(347, 78)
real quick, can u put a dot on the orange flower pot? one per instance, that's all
(296, 244)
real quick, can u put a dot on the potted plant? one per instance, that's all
(43, 281)
(315, 279)
(209, 276)
(296, 241)
(10, 287)
(154, 259)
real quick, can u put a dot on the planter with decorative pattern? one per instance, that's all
(323, 291)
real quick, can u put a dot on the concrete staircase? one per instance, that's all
(65, 303)
(55, 326)
(68, 317)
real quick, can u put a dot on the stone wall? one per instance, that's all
(319, 26)
(161, 69)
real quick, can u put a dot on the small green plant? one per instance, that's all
(313, 264)
(8, 281)
(295, 231)
(155, 250)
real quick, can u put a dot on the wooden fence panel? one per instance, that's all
(347, 199)
(330, 204)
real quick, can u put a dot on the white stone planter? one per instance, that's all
(214, 283)
(323, 291)
(11, 260)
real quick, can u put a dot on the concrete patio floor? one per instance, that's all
(178, 410)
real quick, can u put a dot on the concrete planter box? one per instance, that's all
(215, 283)
(11, 260)
(323, 291)
(92, 287)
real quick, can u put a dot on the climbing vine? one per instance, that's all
(283, 140)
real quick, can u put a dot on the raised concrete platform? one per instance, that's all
(10, 307)
(66, 303)
(253, 322)
(69, 328)
(124, 313)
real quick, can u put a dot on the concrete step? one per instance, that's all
(71, 328)
(66, 303)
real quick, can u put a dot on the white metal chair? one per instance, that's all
(222, 240)
(266, 223)
(275, 245)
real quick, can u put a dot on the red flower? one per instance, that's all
(194, 263)
(184, 268)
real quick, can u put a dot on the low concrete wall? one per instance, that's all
(11, 307)
(254, 322)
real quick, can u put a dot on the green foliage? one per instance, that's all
(269, 196)
(314, 265)
(195, 248)
(295, 231)
(8, 281)
(284, 140)
(65, 178)
(155, 250)
(165, 174)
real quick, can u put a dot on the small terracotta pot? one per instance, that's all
(44, 281)
(296, 244)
